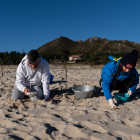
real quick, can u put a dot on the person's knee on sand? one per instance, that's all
(120, 74)
(33, 70)
(17, 94)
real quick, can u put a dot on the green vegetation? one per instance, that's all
(12, 58)
(95, 51)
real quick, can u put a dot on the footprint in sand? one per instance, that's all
(93, 127)
(74, 132)
(120, 135)
(128, 122)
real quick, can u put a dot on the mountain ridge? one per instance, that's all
(90, 45)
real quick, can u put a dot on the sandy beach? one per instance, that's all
(70, 118)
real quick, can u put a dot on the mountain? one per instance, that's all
(90, 45)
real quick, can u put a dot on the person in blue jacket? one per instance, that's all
(120, 74)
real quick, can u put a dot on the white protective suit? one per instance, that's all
(26, 76)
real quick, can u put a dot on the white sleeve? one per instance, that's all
(20, 78)
(45, 79)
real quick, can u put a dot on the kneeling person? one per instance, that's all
(120, 75)
(32, 75)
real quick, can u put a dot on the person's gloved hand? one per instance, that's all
(111, 103)
(129, 92)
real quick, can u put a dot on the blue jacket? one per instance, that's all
(110, 69)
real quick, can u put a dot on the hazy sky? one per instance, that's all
(29, 24)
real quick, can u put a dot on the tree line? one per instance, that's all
(14, 58)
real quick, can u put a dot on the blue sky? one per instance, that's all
(29, 24)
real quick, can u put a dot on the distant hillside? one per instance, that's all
(91, 45)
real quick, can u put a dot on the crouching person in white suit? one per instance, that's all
(32, 75)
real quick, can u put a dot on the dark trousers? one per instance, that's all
(124, 85)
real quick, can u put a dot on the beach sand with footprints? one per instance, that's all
(70, 118)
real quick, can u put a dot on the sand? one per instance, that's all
(70, 118)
